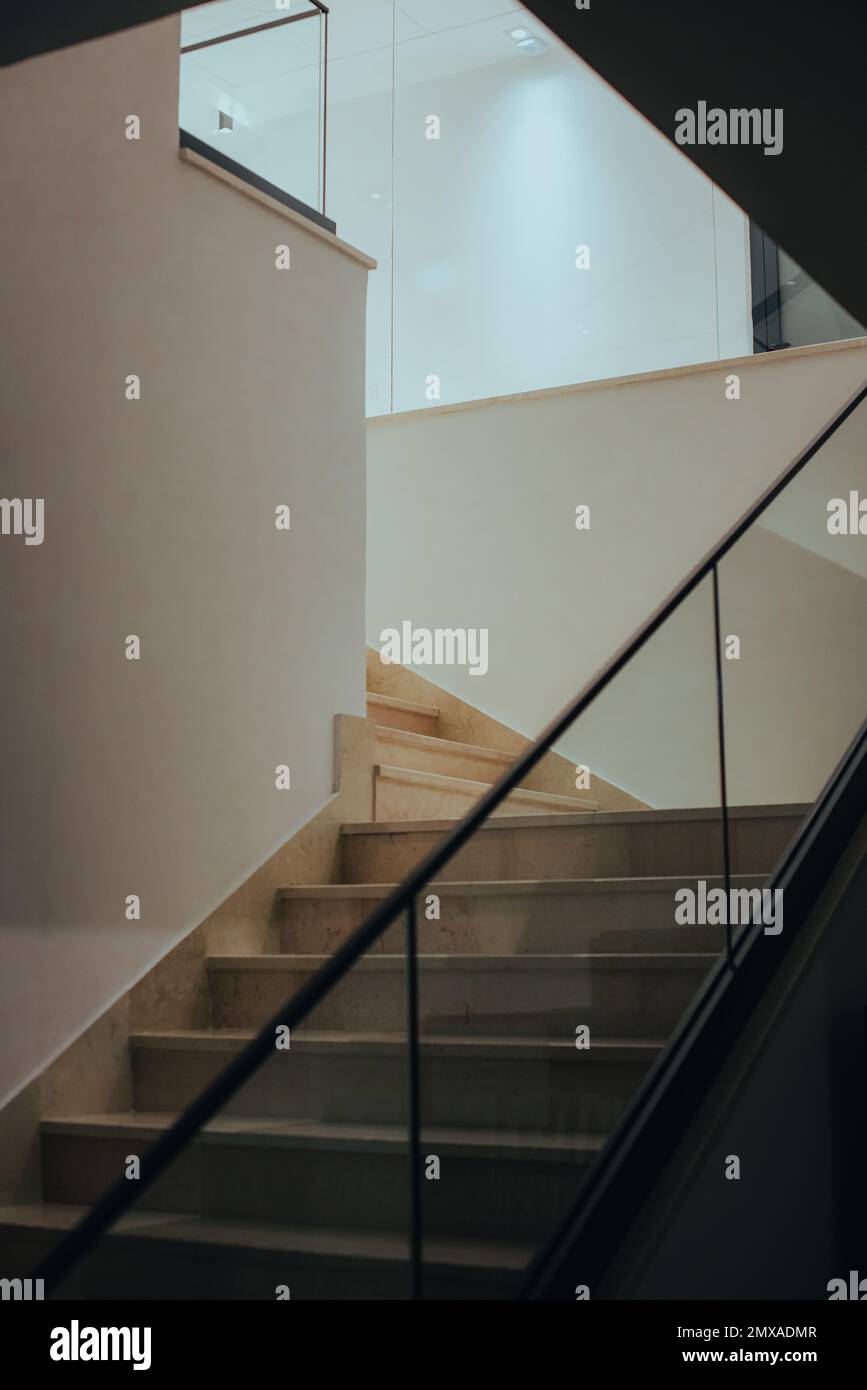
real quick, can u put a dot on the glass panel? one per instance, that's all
(793, 609)
(299, 1188)
(559, 949)
(360, 161)
(789, 308)
(258, 98)
(808, 313)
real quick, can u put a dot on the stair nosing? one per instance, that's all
(508, 824)
(437, 744)
(376, 962)
(390, 773)
(263, 1132)
(443, 1044)
(356, 1248)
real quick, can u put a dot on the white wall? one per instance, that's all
(471, 524)
(157, 777)
(536, 157)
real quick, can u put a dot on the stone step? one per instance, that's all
(422, 753)
(402, 794)
(533, 1085)
(172, 1255)
(607, 844)
(506, 918)
(306, 1173)
(402, 714)
(503, 996)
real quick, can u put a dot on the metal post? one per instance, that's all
(722, 765)
(414, 1103)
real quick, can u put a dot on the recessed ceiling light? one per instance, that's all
(532, 47)
(527, 43)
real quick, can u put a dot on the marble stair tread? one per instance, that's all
(315, 1242)
(529, 887)
(232, 1040)
(566, 844)
(708, 813)
(263, 1132)
(501, 916)
(433, 743)
(435, 781)
(488, 964)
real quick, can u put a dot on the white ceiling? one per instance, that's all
(356, 25)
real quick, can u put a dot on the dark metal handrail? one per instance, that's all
(246, 175)
(257, 28)
(123, 1195)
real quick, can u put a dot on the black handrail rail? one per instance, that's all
(240, 171)
(122, 1195)
(257, 28)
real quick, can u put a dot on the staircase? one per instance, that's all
(419, 775)
(557, 914)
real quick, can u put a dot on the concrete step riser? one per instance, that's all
(572, 1093)
(128, 1269)
(584, 850)
(506, 923)
(478, 1197)
(629, 1002)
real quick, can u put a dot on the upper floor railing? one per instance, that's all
(255, 100)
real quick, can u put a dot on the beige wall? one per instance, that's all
(157, 777)
(471, 524)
